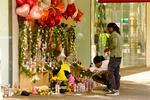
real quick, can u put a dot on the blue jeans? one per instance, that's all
(114, 72)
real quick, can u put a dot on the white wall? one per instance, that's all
(84, 27)
(15, 30)
(148, 36)
(4, 41)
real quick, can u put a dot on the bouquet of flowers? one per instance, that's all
(43, 90)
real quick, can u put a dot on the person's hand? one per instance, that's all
(106, 50)
(99, 73)
(88, 72)
(102, 72)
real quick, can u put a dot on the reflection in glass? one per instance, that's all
(131, 18)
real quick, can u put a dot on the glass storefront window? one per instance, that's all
(131, 18)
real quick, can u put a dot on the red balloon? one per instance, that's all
(42, 20)
(51, 12)
(79, 15)
(42, 23)
(65, 15)
(55, 2)
(60, 7)
(31, 2)
(71, 9)
(58, 18)
(51, 22)
(29, 19)
(20, 2)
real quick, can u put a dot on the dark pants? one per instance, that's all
(113, 72)
(102, 79)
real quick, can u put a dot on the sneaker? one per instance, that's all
(107, 90)
(113, 93)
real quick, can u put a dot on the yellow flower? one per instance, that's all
(55, 78)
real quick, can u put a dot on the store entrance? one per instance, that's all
(131, 18)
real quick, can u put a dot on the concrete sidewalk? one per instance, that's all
(134, 86)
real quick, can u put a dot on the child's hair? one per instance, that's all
(98, 59)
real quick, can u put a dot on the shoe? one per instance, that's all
(113, 93)
(107, 90)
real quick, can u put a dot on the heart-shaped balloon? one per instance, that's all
(75, 14)
(42, 20)
(20, 2)
(29, 19)
(65, 15)
(36, 12)
(55, 2)
(71, 1)
(58, 18)
(60, 7)
(65, 4)
(44, 6)
(51, 22)
(47, 2)
(79, 15)
(31, 2)
(51, 12)
(23, 10)
(45, 14)
(71, 9)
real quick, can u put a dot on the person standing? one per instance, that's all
(114, 46)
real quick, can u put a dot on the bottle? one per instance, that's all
(74, 88)
(34, 91)
(83, 88)
(86, 85)
(57, 88)
(10, 92)
(89, 86)
(78, 88)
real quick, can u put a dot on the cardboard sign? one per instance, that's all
(115, 1)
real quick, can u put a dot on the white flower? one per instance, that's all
(35, 78)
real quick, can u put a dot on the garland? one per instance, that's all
(22, 50)
(70, 40)
(43, 35)
(35, 57)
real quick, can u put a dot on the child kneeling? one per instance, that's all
(100, 70)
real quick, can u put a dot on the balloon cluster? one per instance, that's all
(73, 12)
(48, 12)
